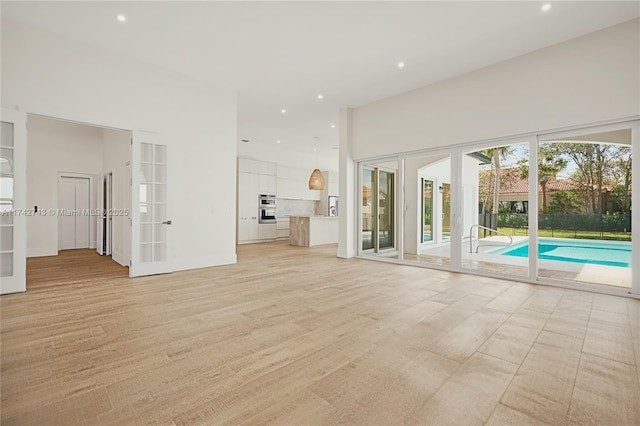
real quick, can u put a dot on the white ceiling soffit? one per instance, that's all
(283, 54)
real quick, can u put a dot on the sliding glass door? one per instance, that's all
(495, 202)
(378, 209)
(552, 208)
(584, 211)
(427, 209)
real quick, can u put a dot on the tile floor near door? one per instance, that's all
(294, 335)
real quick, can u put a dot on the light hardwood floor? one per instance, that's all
(294, 335)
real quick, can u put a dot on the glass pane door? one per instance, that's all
(585, 212)
(427, 210)
(386, 209)
(377, 208)
(6, 200)
(446, 211)
(495, 209)
(12, 203)
(150, 220)
(367, 209)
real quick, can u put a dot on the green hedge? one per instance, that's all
(617, 225)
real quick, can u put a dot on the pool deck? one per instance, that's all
(518, 266)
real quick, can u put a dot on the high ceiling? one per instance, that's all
(282, 55)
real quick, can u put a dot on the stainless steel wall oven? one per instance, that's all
(266, 208)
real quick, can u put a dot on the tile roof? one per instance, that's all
(511, 182)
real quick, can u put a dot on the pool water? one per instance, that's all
(610, 253)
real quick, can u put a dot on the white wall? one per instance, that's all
(47, 74)
(327, 159)
(116, 149)
(586, 80)
(54, 147)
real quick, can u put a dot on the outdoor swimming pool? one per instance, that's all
(610, 253)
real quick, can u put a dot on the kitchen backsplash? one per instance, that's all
(286, 207)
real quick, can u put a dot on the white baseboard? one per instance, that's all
(42, 252)
(119, 258)
(346, 254)
(204, 262)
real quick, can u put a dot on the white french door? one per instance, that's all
(150, 212)
(13, 174)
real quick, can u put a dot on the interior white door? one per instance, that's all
(109, 213)
(13, 176)
(74, 218)
(127, 225)
(108, 188)
(150, 207)
(83, 218)
(67, 222)
(100, 225)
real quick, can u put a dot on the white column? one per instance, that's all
(347, 210)
(533, 208)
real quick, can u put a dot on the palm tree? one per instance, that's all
(495, 154)
(550, 163)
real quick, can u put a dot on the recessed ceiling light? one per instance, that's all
(121, 18)
(400, 64)
(546, 7)
(315, 149)
(284, 111)
(278, 141)
(320, 96)
(333, 126)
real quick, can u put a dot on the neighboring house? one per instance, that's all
(514, 190)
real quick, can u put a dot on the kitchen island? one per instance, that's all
(309, 231)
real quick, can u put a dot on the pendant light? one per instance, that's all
(316, 180)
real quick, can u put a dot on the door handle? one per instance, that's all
(168, 222)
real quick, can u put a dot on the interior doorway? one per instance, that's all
(87, 206)
(74, 207)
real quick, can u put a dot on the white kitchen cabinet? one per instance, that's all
(289, 188)
(282, 228)
(254, 178)
(267, 231)
(248, 187)
(247, 206)
(267, 172)
(269, 169)
(246, 165)
(268, 184)
(296, 189)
